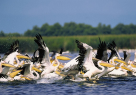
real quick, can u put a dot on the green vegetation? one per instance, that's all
(57, 36)
(73, 29)
(27, 44)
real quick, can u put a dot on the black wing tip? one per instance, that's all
(76, 41)
(99, 40)
(102, 47)
(13, 47)
(61, 50)
(112, 45)
(53, 53)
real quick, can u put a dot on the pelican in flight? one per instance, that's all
(43, 58)
(122, 68)
(84, 63)
(102, 55)
(91, 68)
(11, 55)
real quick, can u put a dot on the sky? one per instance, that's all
(21, 15)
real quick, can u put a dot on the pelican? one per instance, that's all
(7, 76)
(102, 55)
(112, 46)
(91, 68)
(72, 68)
(11, 55)
(29, 70)
(121, 66)
(3, 76)
(44, 58)
(84, 63)
(122, 69)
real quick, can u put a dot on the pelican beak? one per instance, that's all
(121, 61)
(134, 66)
(106, 64)
(7, 65)
(82, 72)
(54, 65)
(95, 59)
(25, 78)
(63, 58)
(117, 66)
(36, 69)
(13, 74)
(57, 72)
(15, 62)
(60, 66)
(51, 60)
(20, 56)
(123, 67)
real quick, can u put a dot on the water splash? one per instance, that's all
(50, 78)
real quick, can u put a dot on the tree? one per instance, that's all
(118, 29)
(57, 29)
(2, 34)
(44, 29)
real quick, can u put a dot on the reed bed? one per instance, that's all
(27, 44)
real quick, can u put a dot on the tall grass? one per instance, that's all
(27, 44)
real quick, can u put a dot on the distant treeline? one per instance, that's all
(27, 44)
(72, 29)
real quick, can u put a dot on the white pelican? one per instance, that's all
(28, 70)
(84, 63)
(122, 69)
(4, 69)
(112, 46)
(4, 76)
(102, 55)
(44, 58)
(55, 56)
(11, 55)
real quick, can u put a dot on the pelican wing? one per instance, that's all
(13, 47)
(80, 58)
(112, 46)
(126, 56)
(70, 65)
(43, 49)
(39, 41)
(102, 51)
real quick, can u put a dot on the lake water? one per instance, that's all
(109, 86)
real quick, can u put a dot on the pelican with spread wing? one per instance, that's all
(44, 58)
